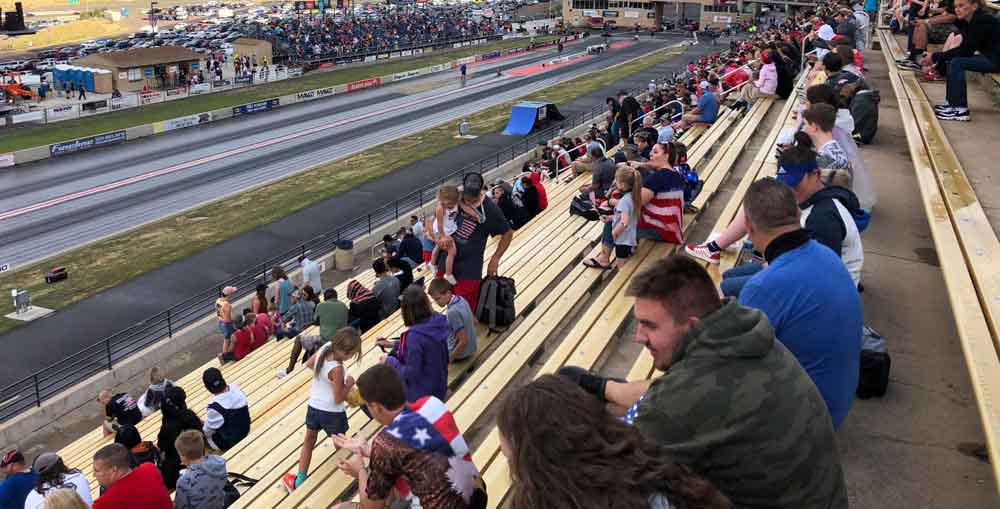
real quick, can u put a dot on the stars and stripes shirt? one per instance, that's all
(665, 212)
(423, 453)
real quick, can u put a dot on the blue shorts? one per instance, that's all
(332, 423)
(226, 328)
(623, 252)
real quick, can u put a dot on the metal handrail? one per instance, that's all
(664, 105)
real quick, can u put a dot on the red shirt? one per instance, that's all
(260, 335)
(263, 318)
(244, 342)
(142, 488)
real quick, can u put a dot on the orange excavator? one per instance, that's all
(13, 88)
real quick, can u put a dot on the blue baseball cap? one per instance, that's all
(792, 174)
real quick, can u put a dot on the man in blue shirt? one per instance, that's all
(18, 481)
(806, 293)
(707, 109)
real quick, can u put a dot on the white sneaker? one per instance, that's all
(281, 374)
(451, 279)
(702, 252)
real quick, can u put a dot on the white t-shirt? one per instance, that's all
(321, 392)
(450, 225)
(75, 480)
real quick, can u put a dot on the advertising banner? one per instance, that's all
(181, 122)
(406, 75)
(406, 53)
(246, 109)
(80, 144)
(222, 84)
(418, 51)
(31, 116)
(363, 84)
(437, 68)
(382, 56)
(176, 93)
(94, 107)
(631, 14)
(62, 113)
(394, 54)
(151, 97)
(294, 72)
(200, 88)
(369, 58)
(313, 94)
(6, 160)
(120, 103)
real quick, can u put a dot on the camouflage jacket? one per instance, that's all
(736, 407)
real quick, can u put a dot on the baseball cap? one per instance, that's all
(45, 461)
(826, 32)
(12, 456)
(212, 378)
(229, 290)
(792, 174)
(472, 184)
(703, 85)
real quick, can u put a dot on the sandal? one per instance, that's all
(594, 264)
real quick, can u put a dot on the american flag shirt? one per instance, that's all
(665, 212)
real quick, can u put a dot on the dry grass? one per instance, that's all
(115, 260)
(66, 33)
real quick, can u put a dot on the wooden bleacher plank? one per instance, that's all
(975, 337)
(714, 133)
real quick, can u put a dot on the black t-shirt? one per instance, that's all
(470, 240)
(411, 248)
(630, 107)
(123, 409)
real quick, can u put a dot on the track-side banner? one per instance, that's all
(181, 122)
(81, 144)
(315, 94)
(400, 76)
(245, 109)
(6, 159)
(363, 84)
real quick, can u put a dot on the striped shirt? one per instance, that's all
(665, 212)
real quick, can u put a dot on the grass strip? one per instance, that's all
(22, 137)
(115, 260)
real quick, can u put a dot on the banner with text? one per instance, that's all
(81, 144)
(363, 84)
(246, 109)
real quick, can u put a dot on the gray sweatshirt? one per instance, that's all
(201, 485)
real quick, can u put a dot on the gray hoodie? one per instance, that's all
(201, 485)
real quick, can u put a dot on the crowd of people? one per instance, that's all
(311, 36)
(758, 372)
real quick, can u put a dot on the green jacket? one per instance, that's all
(736, 407)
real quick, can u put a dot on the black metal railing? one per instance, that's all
(34, 389)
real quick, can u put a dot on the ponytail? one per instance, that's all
(803, 140)
(321, 358)
(636, 194)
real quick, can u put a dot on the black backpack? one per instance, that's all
(582, 207)
(234, 482)
(496, 303)
(864, 109)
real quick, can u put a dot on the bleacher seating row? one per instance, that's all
(964, 239)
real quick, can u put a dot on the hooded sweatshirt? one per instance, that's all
(737, 408)
(201, 485)
(767, 83)
(829, 216)
(421, 358)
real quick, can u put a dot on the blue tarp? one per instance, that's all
(522, 118)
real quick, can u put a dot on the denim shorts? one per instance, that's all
(226, 328)
(332, 423)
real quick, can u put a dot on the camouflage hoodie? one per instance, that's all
(736, 407)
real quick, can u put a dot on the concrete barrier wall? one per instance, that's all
(75, 407)
(139, 131)
(31, 154)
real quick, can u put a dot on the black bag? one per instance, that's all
(864, 109)
(873, 379)
(584, 208)
(231, 490)
(496, 303)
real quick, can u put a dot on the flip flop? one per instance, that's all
(594, 264)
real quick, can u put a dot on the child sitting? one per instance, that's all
(202, 483)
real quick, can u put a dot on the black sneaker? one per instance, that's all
(957, 114)
(943, 107)
(908, 64)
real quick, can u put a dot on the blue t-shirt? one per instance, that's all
(871, 5)
(708, 107)
(14, 490)
(813, 305)
(284, 296)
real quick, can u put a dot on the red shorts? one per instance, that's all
(468, 289)
(426, 255)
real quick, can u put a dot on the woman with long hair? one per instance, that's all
(177, 417)
(565, 450)
(54, 475)
(259, 302)
(421, 354)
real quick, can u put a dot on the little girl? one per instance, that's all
(626, 218)
(326, 410)
(446, 224)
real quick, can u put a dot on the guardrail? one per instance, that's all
(34, 389)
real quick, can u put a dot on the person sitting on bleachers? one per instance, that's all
(126, 487)
(707, 109)
(227, 420)
(510, 205)
(462, 342)
(421, 354)
(420, 452)
(648, 127)
(203, 484)
(299, 315)
(142, 451)
(401, 270)
(542, 426)
(733, 404)
(364, 310)
(643, 144)
(410, 248)
(819, 322)
(152, 399)
(177, 418)
(119, 410)
(662, 196)
(386, 289)
(243, 340)
(979, 51)
(52, 475)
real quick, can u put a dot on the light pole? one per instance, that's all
(152, 16)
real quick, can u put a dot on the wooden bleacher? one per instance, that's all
(593, 330)
(964, 239)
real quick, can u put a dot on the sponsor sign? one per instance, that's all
(722, 19)
(174, 92)
(200, 88)
(242, 80)
(591, 14)
(93, 108)
(406, 75)
(437, 68)
(406, 53)
(631, 14)
(394, 54)
(245, 109)
(151, 97)
(31, 116)
(6, 160)
(181, 122)
(382, 56)
(418, 51)
(651, 15)
(326, 66)
(369, 58)
(610, 14)
(61, 113)
(4, 267)
(363, 84)
(313, 94)
(492, 54)
(123, 75)
(294, 72)
(80, 144)
(222, 83)
(120, 103)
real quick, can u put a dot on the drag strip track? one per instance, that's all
(37, 220)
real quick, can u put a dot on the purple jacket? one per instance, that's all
(421, 357)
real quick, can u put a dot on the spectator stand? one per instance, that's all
(965, 241)
(582, 346)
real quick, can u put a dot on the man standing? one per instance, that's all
(311, 274)
(733, 403)
(125, 487)
(820, 322)
(471, 240)
(18, 481)
(629, 113)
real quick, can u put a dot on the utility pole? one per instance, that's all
(152, 15)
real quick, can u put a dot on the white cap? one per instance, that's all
(826, 32)
(703, 85)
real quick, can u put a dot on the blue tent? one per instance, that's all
(525, 116)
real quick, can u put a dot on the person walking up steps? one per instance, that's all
(326, 410)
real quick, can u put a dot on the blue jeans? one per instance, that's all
(735, 278)
(956, 93)
(606, 238)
